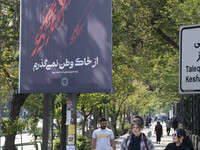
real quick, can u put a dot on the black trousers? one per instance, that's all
(168, 131)
(158, 137)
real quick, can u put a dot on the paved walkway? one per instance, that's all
(164, 140)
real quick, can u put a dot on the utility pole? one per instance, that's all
(71, 117)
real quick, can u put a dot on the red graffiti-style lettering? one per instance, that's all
(53, 15)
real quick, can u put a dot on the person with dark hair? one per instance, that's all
(175, 124)
(168, 126)
(158, 131)
(103, 138)
(180, 141)
(137, 140)
(147, 122)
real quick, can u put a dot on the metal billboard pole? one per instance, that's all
(71, 117)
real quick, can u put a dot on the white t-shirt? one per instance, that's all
(103, 137)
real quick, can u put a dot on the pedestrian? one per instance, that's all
(175, 123)
(103, 138)
(137, 140)
(180, 141)
(158, 131)
(168, 126)
(147, 122)
(162, 119)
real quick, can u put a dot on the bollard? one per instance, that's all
(193, 139)
(198, 145)
(190, 136)
(196, 142)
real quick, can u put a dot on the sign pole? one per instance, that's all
(71, 117)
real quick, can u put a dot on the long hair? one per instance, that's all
(186, 140)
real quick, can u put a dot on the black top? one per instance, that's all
(134, 142)
(172, 146)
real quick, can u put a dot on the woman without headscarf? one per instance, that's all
(159, 132)
(137, 140)
(180, 141)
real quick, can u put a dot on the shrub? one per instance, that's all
(119, 130)
(83, 143)
(126, 129)
(56, 144)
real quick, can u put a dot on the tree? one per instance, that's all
(151, 38)
(87, 103)
(9, 34)
(34, 105)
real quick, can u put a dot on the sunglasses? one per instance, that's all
(174, 134)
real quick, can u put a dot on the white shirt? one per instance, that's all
(103, 137)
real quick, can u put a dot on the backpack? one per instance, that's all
(144, 137)
(159, 128)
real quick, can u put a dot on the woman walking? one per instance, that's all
(158, 132)
(180, 141)
(137, 140)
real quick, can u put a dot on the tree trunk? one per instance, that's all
(95, 118)
(124, 122)
(16, 103)
(122, 125)
(115, 130)
(114, 125)
(83, 126)
(21, 140)
(35, 141)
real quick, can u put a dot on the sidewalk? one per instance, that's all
(164, 140)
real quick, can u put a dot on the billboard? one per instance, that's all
(65, 46)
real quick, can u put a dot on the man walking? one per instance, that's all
(168, 126)
(103, 138)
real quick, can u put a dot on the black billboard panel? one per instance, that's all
(65, 46)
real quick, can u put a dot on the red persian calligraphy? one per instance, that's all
(82, 21)
(53, 16)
